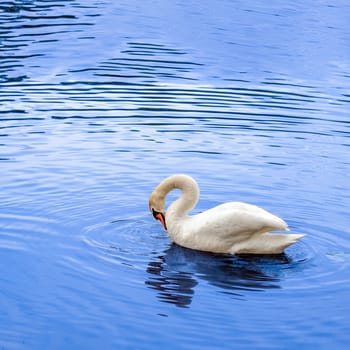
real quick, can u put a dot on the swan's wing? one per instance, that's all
(249, 208)
(259, 215)
(237, 221)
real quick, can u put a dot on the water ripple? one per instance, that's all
(21, 232)
(135, 241)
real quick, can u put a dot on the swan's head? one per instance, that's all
(156, 207)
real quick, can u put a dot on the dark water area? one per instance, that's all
(100, 100)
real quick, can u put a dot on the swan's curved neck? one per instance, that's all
(188, 198)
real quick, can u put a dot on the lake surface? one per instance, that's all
(100, 100)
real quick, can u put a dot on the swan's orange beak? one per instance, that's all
(159, 216)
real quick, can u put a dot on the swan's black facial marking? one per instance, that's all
(155, 213)
(159, 216)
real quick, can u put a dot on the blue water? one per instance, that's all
(100, 100)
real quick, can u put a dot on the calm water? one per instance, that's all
(99, 100)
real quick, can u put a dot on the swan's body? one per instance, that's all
(236, 228)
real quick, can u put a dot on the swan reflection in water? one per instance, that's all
(175, 273)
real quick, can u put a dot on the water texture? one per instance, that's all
(100, 100)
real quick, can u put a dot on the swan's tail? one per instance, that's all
(269, 244)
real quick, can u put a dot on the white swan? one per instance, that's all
(236, 228)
